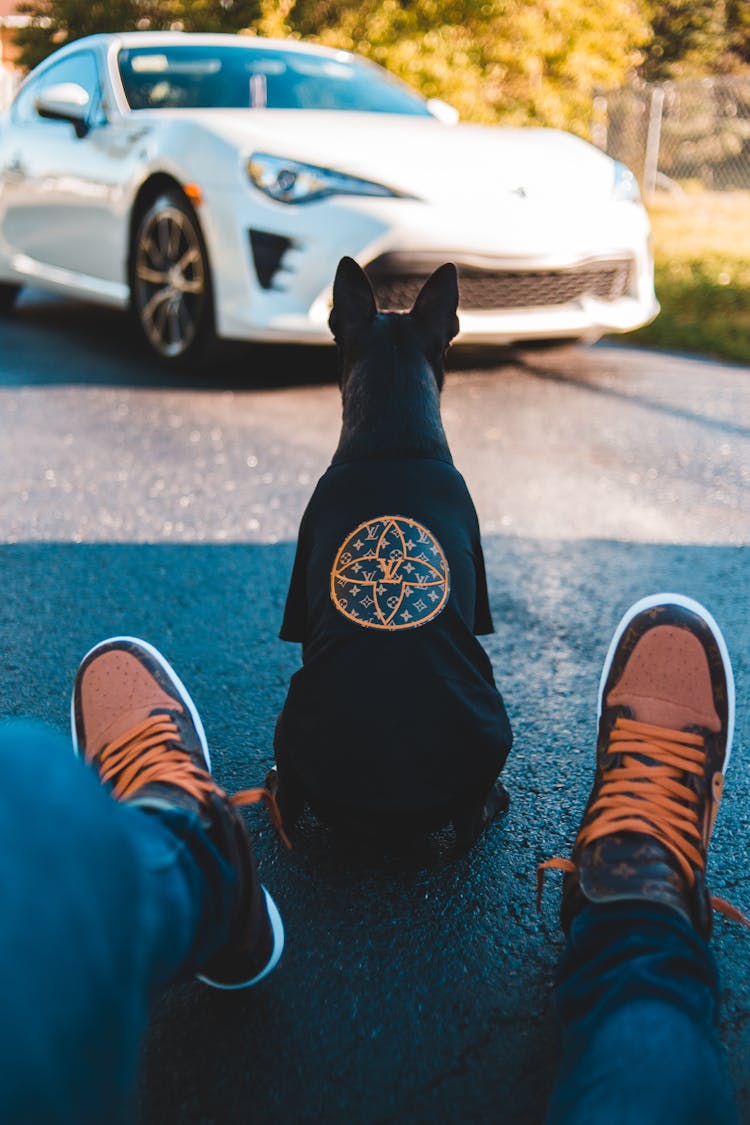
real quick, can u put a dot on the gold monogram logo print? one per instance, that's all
(390, 573)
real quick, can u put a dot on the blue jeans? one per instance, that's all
(637, 995)
(102, 906)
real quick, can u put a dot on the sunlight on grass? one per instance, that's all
(702, 253)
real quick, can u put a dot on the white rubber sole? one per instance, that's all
(700, 611)
(277, 927)
(171, 675)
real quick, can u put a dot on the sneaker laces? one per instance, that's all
(151, 753)
(260, 793)
(646, 793)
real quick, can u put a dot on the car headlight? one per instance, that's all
(625, 185)
(289, 181)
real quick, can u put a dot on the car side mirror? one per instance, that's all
(65, 102)
(448, 114)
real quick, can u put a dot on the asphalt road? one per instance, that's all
(414, 988)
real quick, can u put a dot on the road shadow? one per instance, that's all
(52, 341)
(414, 987)
(546, 368)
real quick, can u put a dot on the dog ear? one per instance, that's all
(353, 300)
(435, 307)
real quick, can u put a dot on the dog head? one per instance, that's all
(391, 365)
(358, 327)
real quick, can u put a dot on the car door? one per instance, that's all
(61, 193)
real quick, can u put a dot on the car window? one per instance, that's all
(79, 68)
(203, 77)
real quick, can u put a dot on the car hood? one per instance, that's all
(422, 156)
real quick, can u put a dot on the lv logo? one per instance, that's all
(374, 574)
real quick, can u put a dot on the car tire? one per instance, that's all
(170, 281)
(8, 295)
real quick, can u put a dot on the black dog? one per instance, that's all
(394, 722)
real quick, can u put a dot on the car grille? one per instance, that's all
(513, 289)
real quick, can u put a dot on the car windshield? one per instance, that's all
(211, 77)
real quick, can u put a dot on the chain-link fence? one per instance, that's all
(689, 133)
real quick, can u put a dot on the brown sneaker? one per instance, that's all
(135, 724)
(666, 720)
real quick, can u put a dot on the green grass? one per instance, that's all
(702, 255)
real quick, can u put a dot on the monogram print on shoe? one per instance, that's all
(390, 573)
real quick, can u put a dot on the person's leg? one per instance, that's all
(105, 902)
(637, 997)
(637, 989)
(99, 909)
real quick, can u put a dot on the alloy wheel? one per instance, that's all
(169, 280)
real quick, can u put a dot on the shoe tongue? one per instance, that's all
(667, 682)
(117, 694)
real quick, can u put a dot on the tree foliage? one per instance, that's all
(514, 61)
(693, 38)
(738, 32)
(54, 22)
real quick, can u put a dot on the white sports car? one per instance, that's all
(213, 182)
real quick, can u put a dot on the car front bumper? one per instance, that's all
(273, 264)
